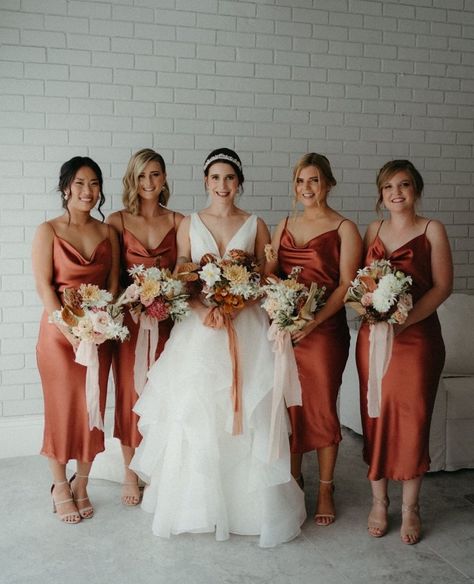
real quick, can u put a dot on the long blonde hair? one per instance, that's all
(136, 165)
(320, 162)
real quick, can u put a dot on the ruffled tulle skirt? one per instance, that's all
(200, 477)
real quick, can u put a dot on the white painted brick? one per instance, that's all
(66, 88)
(362, 64)
(175, 49)
(32, 120)
(267, 41)
(114, 28)
(309, 74)
(88, 42)
(236, 39)
(252, 25)
(89, 137)
(69, 56)
(67, 24)
(11, 69)
(194, 96)
(23, 407)
(9, 36)
(91, 106)
(380, 23)
(274, 12)
(11, 392)
(21, 86)
(94, 10)
(110, 91)
(39, 38)
(46, 104)
(415, 26)
(240, 69)
(435, 69)
(196, 66)
(46, 71)
(21, 20)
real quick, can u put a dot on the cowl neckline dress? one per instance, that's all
(66, 428)
(321, 356)
(396, 443)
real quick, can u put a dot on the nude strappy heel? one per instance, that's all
(411, 534)
(377, 527)
(331, 517)
(84, 512)
(72, 517)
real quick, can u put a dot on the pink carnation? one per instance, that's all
(366, 299)
(157, 309)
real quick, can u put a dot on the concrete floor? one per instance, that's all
(117, 545)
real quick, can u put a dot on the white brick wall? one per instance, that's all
(360, 80)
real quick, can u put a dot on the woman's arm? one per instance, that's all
(271, 263)
(42, 260)
(114, 274)
(183, 243)
(442, 274)
(261, 240)
(350, 260)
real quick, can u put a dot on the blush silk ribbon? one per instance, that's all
(380, 353)
(216, 318)
(145, 349)
(87, 355)
(286, 385)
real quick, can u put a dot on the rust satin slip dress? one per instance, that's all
(134, 252)
(321, 356)
(396, 443)
(66, 422)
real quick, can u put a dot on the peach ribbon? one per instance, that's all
(145, 349)
(217, 318)
(380, 353)
(87, 355)
(286, 385)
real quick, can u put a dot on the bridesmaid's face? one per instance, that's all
(84, 190)
(222, 181)
(151, 181)
(311, 188)
(398, 192)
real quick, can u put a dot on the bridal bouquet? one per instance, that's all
(90, 317)
(155, 293)
(153, 296)
(229, 282)
(289, 303)
(380, 295)
(290, 306)
(226, 285)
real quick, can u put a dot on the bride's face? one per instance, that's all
(222, 182)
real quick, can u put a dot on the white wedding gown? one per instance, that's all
(200, 477)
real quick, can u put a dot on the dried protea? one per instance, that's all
(208, 258)
(73, 300)
(68, 317)
(188, 272)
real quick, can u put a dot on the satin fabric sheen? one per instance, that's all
(321, 356)
(133, 252)
(396, 443)
(66, 426)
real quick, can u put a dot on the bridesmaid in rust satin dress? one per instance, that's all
(328, 247)
(148, 236)
(68, 251)
(396, 443)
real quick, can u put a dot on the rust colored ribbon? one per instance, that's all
(380, 353)
(286, 385)
(88, 356)
(217, 318)
(145, 349)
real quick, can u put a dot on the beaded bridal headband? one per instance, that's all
(222, 157)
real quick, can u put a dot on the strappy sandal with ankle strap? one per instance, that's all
(85, 512)
(72, 517)
(331, 517)
(412, 533)
(377, 527)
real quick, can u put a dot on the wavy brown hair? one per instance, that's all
(136, 165)
(391, 168)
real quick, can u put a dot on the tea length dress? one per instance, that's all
(320, 356)
(202, 478)
(66, 425)
(133, 252)
(396, 443)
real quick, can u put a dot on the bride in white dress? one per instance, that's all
(201, 477)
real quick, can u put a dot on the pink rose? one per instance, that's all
(366, 299)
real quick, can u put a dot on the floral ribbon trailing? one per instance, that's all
(87, 355)
(216, 318)
(145, 349)
(286, 385)
(380, 353)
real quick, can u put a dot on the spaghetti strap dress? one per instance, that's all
(396, 443)
(134, 252)
(66, 423)
(321, 356)
(201, 477)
